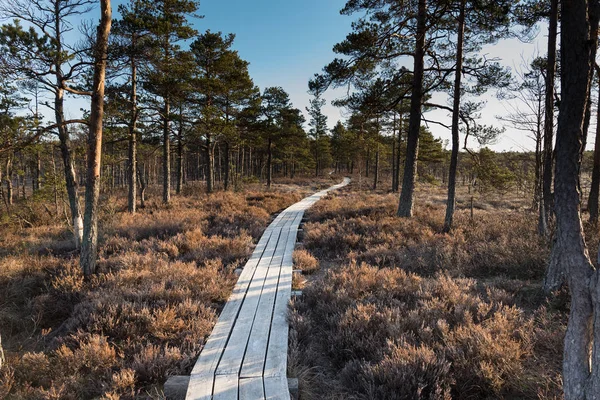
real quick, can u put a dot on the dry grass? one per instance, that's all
(163, 276)
(406, 312)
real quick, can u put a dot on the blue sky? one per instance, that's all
(286, 42)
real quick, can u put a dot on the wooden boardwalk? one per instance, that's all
(245, 356)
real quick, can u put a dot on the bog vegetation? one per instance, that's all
(162, 278)
(404, 311)
(122, 224)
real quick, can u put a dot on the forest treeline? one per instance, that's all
(181, 106)
(168, 105)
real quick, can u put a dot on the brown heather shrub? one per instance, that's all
(69, 372)
(364, 228)
(202, 249)
(122, 385)
(272, 202)
(404, 372)
(163, 276)
(406, 312)
(392, 334)
(305, 261)
(154, 363)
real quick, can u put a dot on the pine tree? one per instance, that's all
(528, 13)
(170, 66)
(388, 31)
(570, 255)
(293, 145)
(595, 184)
(549, 113)
(318, 122)
(223, 86)
(275, 104)
(130, 47)
(477, 23)
(238, 92)
(342, 147)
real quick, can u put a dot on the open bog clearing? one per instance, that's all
(389, 306)
(399, 310)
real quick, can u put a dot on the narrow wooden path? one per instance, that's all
(245, 356)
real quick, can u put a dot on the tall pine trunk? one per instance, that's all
(581, 361)
(227, 166)
(376, 175)
(179, 165)
(398, 152)
(132, 167)
(549, 115)
(317, 154)
(38, 171)
(89, 246)
(63, 133)
(368, 163)
(9, 184)
(405, 206)
(395, 165)
(537, 194)
(69, 168)
(166, 152)
(210, 164)
(451, 201)
(595, 186)
(269, 163)
(143, 178)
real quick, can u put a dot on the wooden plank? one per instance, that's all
(233, 353)
(254, 359)
(200, 387)
(297, 222)
(252, 389)
(200, 379)
(236, 346)
(209, 363)
(226, 387)
(202, 376)
(276, 388)
(276, 361)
